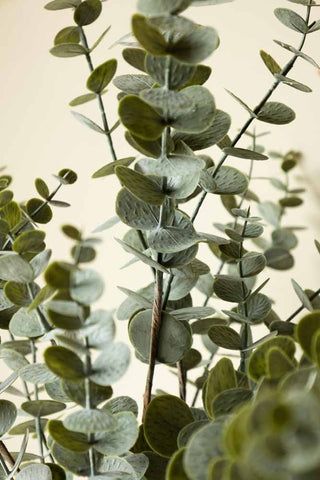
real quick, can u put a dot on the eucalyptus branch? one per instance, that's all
(99, 97)
(4, 465)
(302, 307)
(88, 368)
(6, 455)
(37, 421)
(286, 69)
(245, 332)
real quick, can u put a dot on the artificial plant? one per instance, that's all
(259, 415)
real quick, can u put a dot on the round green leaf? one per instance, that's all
(111, 364)
(42, 408)
(222, 377)
(86, 286)
(64, 363)
(306, 330)
(276, 113)
(279, 258)
(141, 186)
(166, 415)
(225, 402)
(119, 439)
(148, 36)
(135, 57)
(291, 19)
(225, 337)
(74, 441)
(175, 340)
(8, 415)
(102, 76)
(90, 421)
(19, 293)
(30, 472)
(87, 12)
(67, 35)
(229, 181)
(175, 470)
(141, 119)
(257, 364)
(76, 392)
(31, 241)
(252, 263)
(109, 169)
(230, 289)
(58, 275)
(39, 211)
(37, 373)
(24, 324)
(15, 268)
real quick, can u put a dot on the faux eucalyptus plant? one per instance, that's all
(248, 412)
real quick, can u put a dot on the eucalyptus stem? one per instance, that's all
(245, 333)
(302, 307)
(286, 69)
(206, 369)
(99, 97)
(37, 422)
(88, 403)
(4, 466)
(6, 455)
(182, 376)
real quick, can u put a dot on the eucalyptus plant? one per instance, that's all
(254, 408)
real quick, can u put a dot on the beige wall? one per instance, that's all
(39, 136)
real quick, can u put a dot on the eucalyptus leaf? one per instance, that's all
(175, 340)
(109, 169)
(90, 421)
(41, 472)
(87, 12)
(66, 50)
(121, 438)
(111, 364)
(102, 76)
(141, 186)
(276, 113)
(291, 19)
(8, 415)
(15, 268)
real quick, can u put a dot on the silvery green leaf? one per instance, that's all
(133, 83)
(135, 57)
(162, 7)
(284, 238)
(89, 123)
(111, 364)
(179, 73)
(172, 239)
(40, 262)
(110, 168)
(135, 297)
(121, 404)
(139, 462)
(209, 137)
(175, 339)
(192, 312)
(291, 19)
(37, 373)
(252, 264)
(38, 471)
(13, 359)
(315, 27)
(8, 415)
(279, 258)
(298, 53)
(20, 456)
(293, 83)
(169, 101)
(8, 382)
(200, 3)
(258, 307)
(135, 213)
(120, 439)
(205, 284)
(65, 50)
(270, 63)
(112, 467)
(271, 212)
(195, 46)
(86, 286)
(244, 153)
(76, 392)
(24, 324)
(229, 180)
(106, 225)
(144, 258)
(77, 463)
(243, 104)
(276, 113)
(230, 289)
(65, 307)
(14, 268)
(204, 445)
(303, 297)
(90, 421)
(42, 408)
(182, 186)
(99, 328)
(132, 304)
(202, 114)
(62, 4)
(171, 166)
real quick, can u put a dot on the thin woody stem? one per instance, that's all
(296, 312)
(6, 455)
(99, 98)
(286, 69)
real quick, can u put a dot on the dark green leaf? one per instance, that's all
(230, 289)
(87, 12)
(67, 35)
(141, 119)
(225, 337)
(276, 113)
(66, 50)
(243, 153)
(64, 363)
(109, 169)
(102, 76)
(270, 63)
(74, 441)
(140, 185)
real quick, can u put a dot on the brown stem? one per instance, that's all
(155, 331)
(182, 376)
(6, 454)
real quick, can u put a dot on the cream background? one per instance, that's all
(39, 136)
